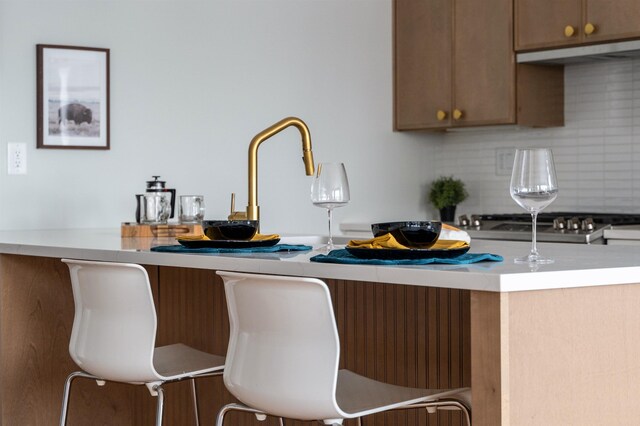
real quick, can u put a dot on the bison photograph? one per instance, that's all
(74, 118)
(74, 112)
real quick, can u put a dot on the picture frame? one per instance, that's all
(72, 97)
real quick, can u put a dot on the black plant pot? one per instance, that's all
(448, 214)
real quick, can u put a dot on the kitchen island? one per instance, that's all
(554, 345)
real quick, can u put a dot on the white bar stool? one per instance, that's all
(284, 352)
(114, 333)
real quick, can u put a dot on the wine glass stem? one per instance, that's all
(534, 219)
(330, 242)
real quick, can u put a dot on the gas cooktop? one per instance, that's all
(562, 227)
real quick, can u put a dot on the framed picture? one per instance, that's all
(73, 97)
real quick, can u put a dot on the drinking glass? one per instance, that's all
(330, 189)
(191, 208)
(534, 186)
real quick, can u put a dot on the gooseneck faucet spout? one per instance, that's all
(253, 210)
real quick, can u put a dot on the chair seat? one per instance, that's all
(178, 360)
(359, 396)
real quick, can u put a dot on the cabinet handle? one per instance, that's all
(441, 115)
(457, 114)
(569, 31)
(589, 28)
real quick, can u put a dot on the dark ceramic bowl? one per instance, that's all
(410, 233)
(239, 230)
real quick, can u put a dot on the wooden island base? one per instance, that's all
(414, 336)
(552, 357)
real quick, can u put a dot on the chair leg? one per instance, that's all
(222, 412)
(67, 391)
(466, 414)
(239, 407)
(159, 405)
(456, 405)
(194, 394)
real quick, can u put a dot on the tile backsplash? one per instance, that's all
(597, 152)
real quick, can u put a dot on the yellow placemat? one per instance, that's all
(257, 237)
(388, 241)
(265, 237)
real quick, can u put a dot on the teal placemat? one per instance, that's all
(343, 256)
(209, 250)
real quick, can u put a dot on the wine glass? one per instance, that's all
(330, 189)
(534, 186)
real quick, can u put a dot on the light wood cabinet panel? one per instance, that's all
(541, 24)
(455, 67)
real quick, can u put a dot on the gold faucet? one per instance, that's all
(253, 210)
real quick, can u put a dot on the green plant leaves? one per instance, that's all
(447, 191)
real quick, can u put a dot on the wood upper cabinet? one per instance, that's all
(454, 66)
(613, 19)
(483, 63)
(544, 24)
(423, 63)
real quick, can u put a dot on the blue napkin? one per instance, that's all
(209, 250)
(343, 256)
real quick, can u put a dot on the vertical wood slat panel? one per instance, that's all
(402, 335)
(192, 309)
(432, 344)
(379, 301)
(443, 346)
(410, 363)
(400, 367)
(422, 370)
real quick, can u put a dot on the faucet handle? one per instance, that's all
(233, 201)
(234, 214)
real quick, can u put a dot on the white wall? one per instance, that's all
(597, 152)
(191, 83)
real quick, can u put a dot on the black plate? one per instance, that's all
(397, 254)
(228, 243)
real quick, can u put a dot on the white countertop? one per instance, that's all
(576, 265)
(623, 232)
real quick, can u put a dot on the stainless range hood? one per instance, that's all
(582, 54)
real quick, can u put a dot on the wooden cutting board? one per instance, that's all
(135, 230)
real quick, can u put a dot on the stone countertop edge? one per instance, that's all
(576, 265)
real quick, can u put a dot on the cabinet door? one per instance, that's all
(484, 63)
(542, 23)
(612, 19)
(422, 63)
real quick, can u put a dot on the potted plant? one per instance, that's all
(445, 194)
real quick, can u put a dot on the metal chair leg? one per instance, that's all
(159, 405)
(67, 391)
(223, 411)
(457, 405)
(466, 414)
(239, 407)
(194, 394)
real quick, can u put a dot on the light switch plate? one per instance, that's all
(17, 158)
(504, 161)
